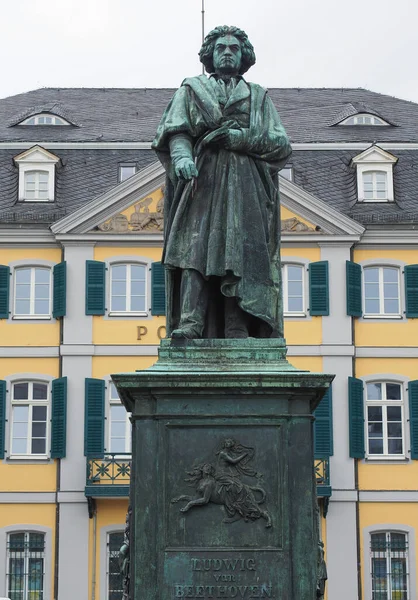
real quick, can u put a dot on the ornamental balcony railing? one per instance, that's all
(110, 475)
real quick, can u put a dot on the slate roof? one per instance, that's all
(104, 115)
(133, 114)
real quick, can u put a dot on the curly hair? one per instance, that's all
(206, 51)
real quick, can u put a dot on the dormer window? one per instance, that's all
(375, 175)
(364, 119)
(45, 119)
(36, 174)
(375, 186)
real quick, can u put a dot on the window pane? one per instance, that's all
(371, 275)
(391, 307)
(138, 288)
(38, 446)
(22, 291)
(20, 430)
(113, 390)
(295, 304)
(372, 307)
(378, 541)
(138, 272)
(118, 413)
(118, 288)
(394, 413)
(393, 391)
(42, 275)
(375, 446)
(20, 414)
(374, 391)
(126, 172)
(22, 275)
(118, 303)
(390, 290)
(371, 290)
(294, 273)
(41, 307)
(119, 272)
(19, 445)
(39, 429)
(20, 391)
(40, 391)
(117, 445)
(395, 446)
(368, 178)
(375, 430)
(22, 307)
(42, 291)
(39, 413)
(138, 303)
(397, 541)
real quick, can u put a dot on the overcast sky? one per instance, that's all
(154, 43)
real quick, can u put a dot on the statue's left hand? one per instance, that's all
(231, 139)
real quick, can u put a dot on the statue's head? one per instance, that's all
(227, 51)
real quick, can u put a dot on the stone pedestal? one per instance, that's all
(223, 489)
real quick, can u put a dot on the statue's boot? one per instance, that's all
(193, 303)
(236, 320)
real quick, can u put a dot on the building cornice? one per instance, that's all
(147, 145)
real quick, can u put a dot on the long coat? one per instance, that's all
(226, 224)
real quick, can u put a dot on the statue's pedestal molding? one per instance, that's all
(223, 489)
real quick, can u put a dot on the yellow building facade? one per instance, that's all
(81, 299)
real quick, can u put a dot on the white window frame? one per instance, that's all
(127, 165)
(286, 311)
(36, 159)
(384, 403)
(26, 557)
(34, 120)
(113, 401)
(388, 556)
(37, 175)
(382, 315)
(32, 314)
(109, 533)
(374, 173)
(374, 159)
(395, 528)
(128, 312)
(360, 118)
(31, 403)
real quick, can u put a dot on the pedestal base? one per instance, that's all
(223, 489)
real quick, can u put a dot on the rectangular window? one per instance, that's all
(294, 290)
(128, 289)
(25, 566)
(384, 412)
(381, 292)
(29, 428)
(126, 171)
(119, 424)
(389, 566)
(375, 185)
(32, 297)
(36, 185)
(114, 575)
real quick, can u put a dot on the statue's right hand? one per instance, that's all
(185, 168)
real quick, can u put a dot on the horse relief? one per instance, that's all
(221, 483)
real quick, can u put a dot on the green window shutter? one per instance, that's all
(94, 416)
(4, 291)
(413, 416)
(356, 417)
(323, 437)
(354, 294)
(59, 418)
(95, 287)
(158, 289)
(319, 288)
(60, 290)
(411, 291)
(2, 419)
